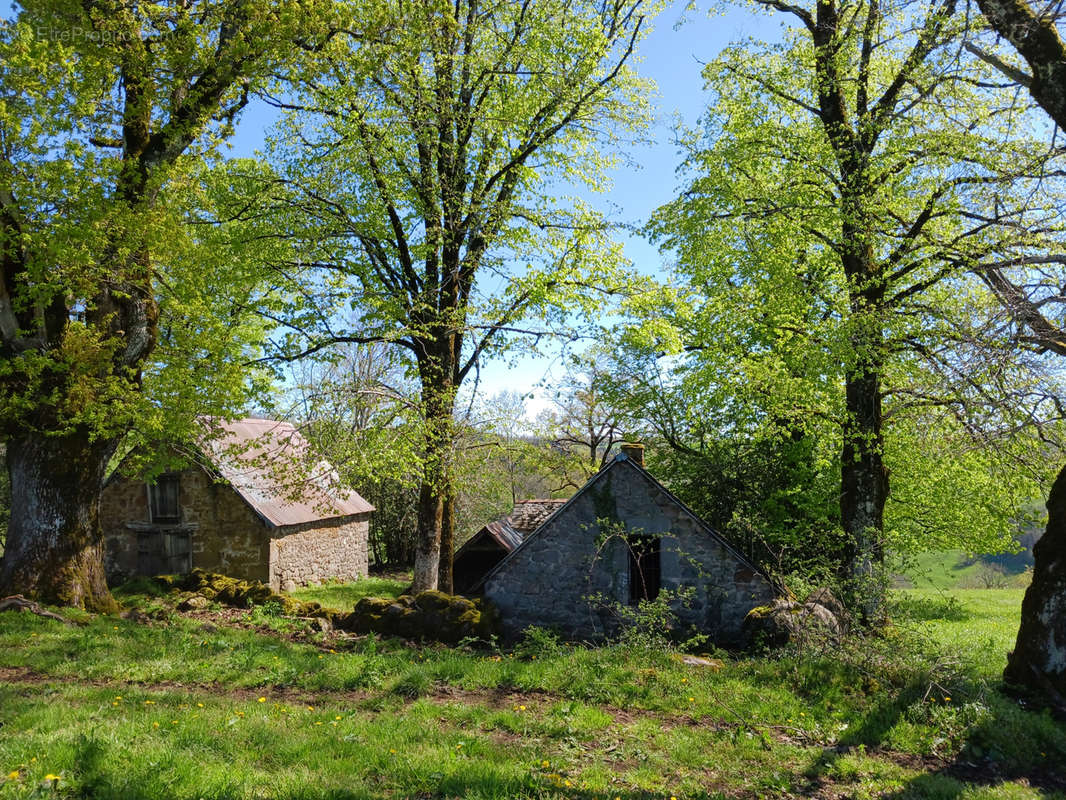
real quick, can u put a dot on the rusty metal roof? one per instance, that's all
(506, 536)
(273, 468)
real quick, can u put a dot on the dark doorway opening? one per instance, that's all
(645, 568)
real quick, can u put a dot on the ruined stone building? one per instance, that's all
(256, 505)
(621, 538)
(490, 545)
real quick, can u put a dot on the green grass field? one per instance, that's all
(229, 704)
(344, 596)
(954, 569)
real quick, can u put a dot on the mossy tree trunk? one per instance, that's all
(54, 549)
(1038, 661)
(438, 371)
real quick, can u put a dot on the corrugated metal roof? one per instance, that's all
(272, 467)
(505, 535)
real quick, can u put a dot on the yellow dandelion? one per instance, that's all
(337, 717)
(13, 775)
(310, 708)
(114, 627)
(199, 705)
(51, 777)
(545, 764)
(947, 699)
(149, 702)
(318, 722)
(118, 697)
(692, 699)
(261, 700)
(392, 751)
(173, 722)
(567, 783)
(155, 724)
(321, 656)
(521, 708)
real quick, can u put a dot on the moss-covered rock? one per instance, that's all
(237, 593)
(429, 616)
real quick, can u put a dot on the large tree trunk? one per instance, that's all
(54, 549)
(445, 580)
(438, 407)
(864, 490)
(427, 552)
(1038, 661)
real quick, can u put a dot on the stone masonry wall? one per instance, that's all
(550, 581)
(229, 536)
(331, 549)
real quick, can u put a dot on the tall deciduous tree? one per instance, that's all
(848, 180)
(422, 163)
(101, 103)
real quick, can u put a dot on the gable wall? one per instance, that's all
(549, 582)
(317, 551)
(229, 537)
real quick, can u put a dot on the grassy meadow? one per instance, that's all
(224, 703)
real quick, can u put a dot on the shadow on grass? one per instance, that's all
(913, 608)
(99, 776)
(1005, 743)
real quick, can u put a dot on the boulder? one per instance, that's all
(429, 616)
(787, 621)
(194, 602)
(825, 598)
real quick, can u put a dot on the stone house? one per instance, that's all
(254, 505)
(490, 545)
(621, 538)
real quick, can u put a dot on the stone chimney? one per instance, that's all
(634, 452)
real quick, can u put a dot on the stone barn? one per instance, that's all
(621, 538)
(490, 545)
(255, 505)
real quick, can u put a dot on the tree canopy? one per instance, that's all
(421, 162)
